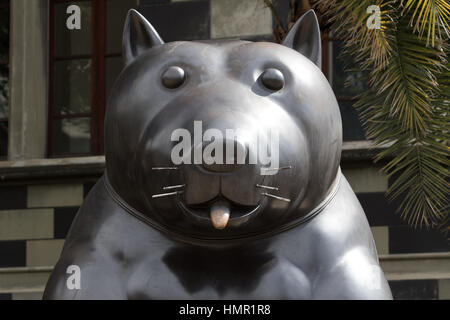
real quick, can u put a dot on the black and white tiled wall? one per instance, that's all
(393, 236)
(34, 221)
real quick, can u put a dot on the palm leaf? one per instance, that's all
(407, 104)
(431, 16)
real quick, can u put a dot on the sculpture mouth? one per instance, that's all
(220, 212)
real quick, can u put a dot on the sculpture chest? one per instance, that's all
(189, 274)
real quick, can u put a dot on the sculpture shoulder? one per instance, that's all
(84, 258)
(96, 247)
(339, 240)
(342, 224)
(85, 276)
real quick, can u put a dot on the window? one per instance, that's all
(83, 65)
(340, 73)
(4, 76)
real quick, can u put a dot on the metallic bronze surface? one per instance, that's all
(155, 229)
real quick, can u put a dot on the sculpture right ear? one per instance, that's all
(138, 36)
(304, 37)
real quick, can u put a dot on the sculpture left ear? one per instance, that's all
(304, 37)
(138, 36)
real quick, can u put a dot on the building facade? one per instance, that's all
(56, 74)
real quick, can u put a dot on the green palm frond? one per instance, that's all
(407, 105)
(350, 19)
(412, 113)
(431, 16)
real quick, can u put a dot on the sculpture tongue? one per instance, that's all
(220, 214)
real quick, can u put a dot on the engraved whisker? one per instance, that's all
(266, 187)
(174, 187)
(165, 168)
(275, 197)
(277, 169)
(166, 194)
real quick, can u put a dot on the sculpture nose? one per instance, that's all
(223, 155)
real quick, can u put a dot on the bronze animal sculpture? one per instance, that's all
(154, 229)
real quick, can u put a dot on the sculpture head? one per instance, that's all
(243, 137)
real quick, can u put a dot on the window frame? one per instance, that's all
(6, 63)
(327, 65)
(97, 99)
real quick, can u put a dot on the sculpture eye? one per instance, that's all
(173, 77)
(272, 79)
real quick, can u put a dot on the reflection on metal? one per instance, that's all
(217, 236)
(220, 214)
